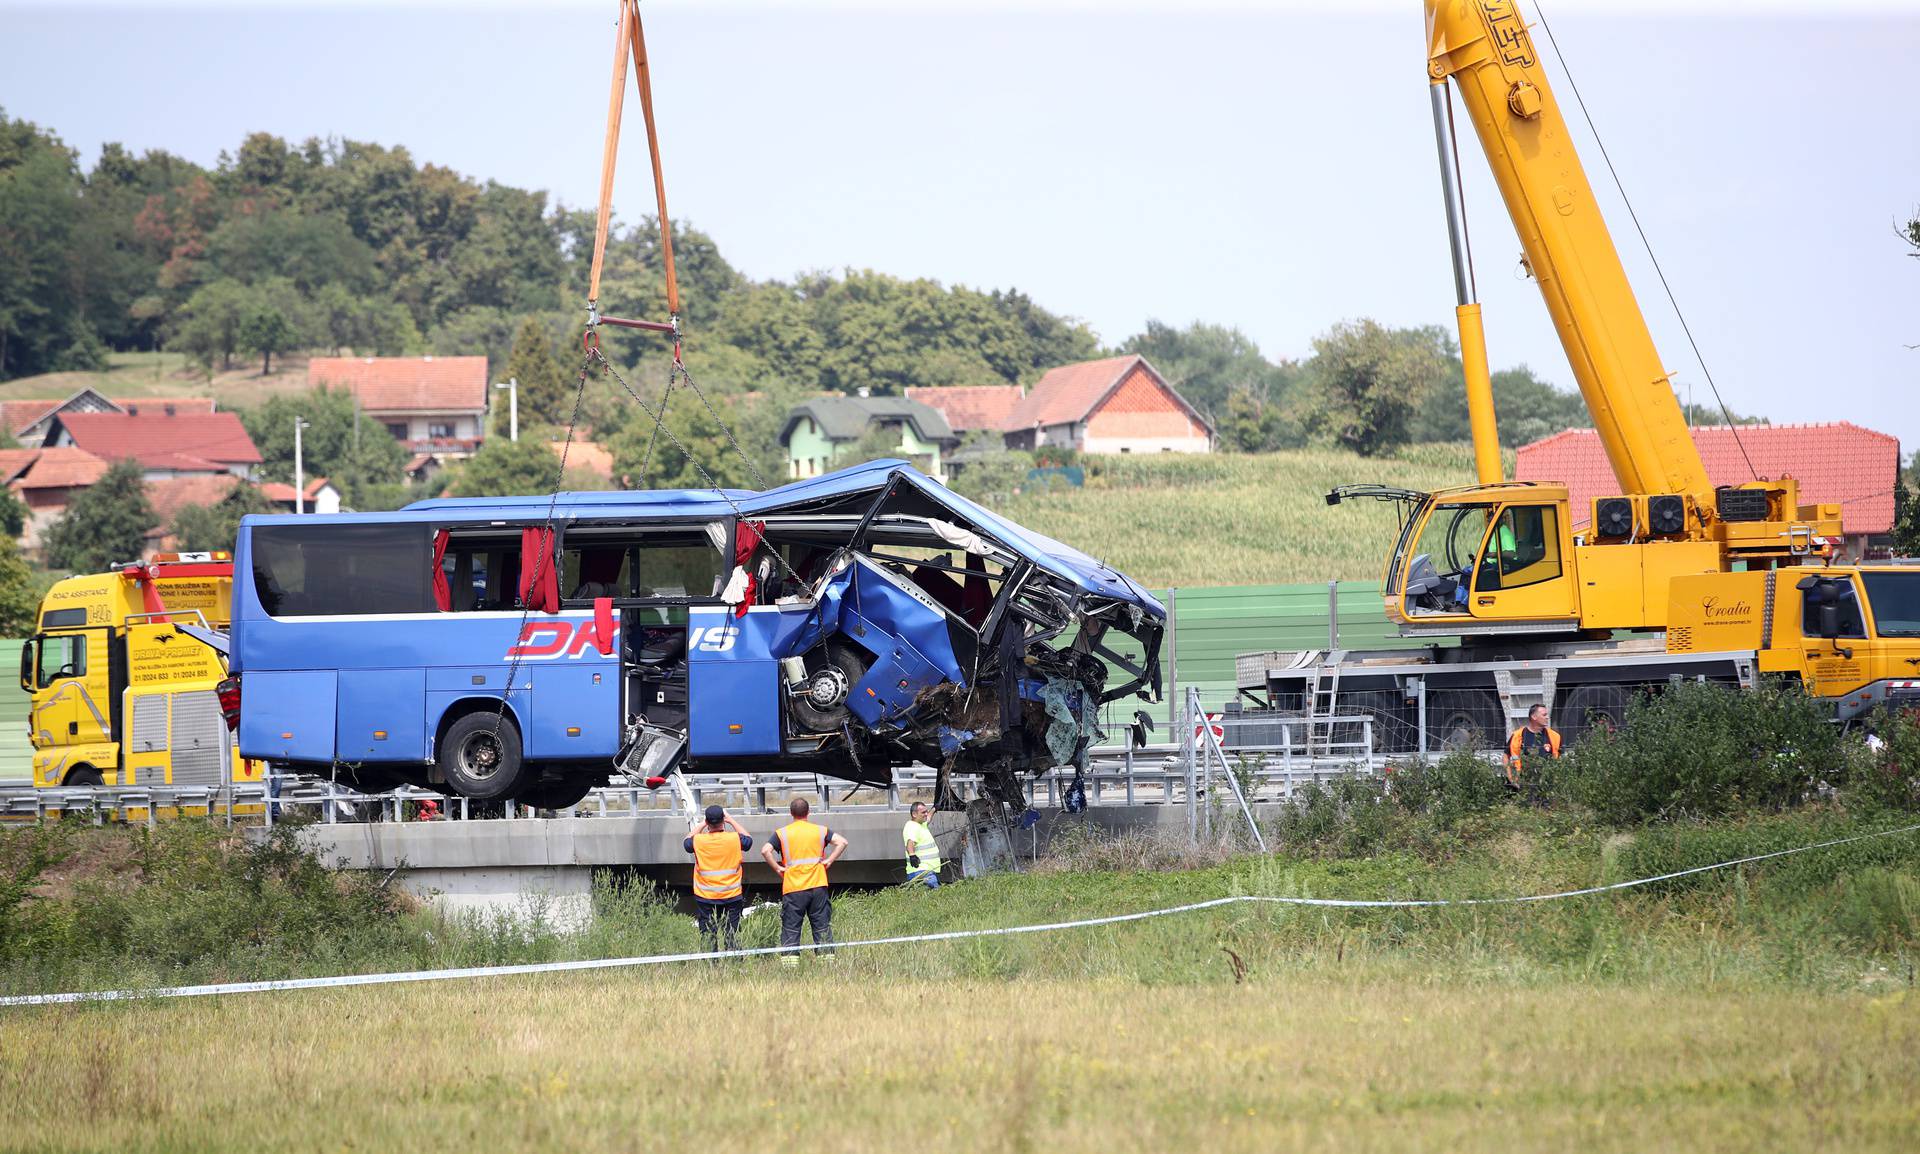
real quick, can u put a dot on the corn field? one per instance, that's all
(1233, 519)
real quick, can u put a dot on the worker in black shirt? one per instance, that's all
(1532, 745)
(718, 874)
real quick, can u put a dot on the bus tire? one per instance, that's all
(557, 794)
(480, 756)
(83, 777)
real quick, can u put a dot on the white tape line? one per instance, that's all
(402, 976)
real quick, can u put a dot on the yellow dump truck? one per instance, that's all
(123, 674)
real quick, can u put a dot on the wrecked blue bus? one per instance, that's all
(530, 647)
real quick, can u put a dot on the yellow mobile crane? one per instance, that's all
(1674, 576)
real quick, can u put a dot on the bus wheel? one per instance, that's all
(557, 794)
(82, 777)
(480, 756)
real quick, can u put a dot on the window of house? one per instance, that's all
(398, 429)
(440, 430)
(62, 656)
(337, 570)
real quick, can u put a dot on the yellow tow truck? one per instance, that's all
(124, 674)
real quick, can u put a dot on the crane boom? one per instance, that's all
(1483, 46)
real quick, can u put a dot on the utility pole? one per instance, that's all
(299, 467)
(512, 385)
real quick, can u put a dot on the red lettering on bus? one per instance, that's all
(531, 645)
(584, 634)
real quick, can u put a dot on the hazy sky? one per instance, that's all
(1264, 165)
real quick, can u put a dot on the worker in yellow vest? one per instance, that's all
(719, 848)
(923, 852)
(801, 853)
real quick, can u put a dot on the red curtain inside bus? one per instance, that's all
(977, 600)
(747, 536)
(539, 584)
(442, 593)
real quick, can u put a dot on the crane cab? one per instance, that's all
(1495, 554)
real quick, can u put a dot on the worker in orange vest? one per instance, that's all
(801, 853)
(1530, 745)
(719, 848)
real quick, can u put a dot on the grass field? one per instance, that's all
(1230, 519)
(1770, 1007)
(1333, 1060)
(166, 375)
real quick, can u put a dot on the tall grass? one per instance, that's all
(1328, 1056)
(1827, 920)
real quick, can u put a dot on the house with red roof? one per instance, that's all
(1836, 462)
(45, 480)
(1114, 405)
(435, 406)
(969, 408)
(166, 445)
(28, 421)
(321, 496)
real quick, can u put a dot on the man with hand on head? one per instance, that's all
(718, 848)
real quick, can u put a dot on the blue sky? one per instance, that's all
(1263, 165)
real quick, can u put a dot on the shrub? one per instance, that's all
(1457, 786)
(1700, 749)
(187, 898)
(1887, 776)
(1349, 816)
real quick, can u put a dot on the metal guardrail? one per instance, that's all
(99, 803)
(1162, 773)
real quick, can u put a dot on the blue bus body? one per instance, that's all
(842, 625)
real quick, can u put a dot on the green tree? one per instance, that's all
(39, 213)
(1367, 381)
(546, 394)
(1906, 518)
(1255, 423)
(704, 454)
(13, 513)
(1526, 409)
(1209, 364)
(504, 468)
(209, 324)
(217, 526)
(19, 593)
(276, 318)
(310, 249)
(105, 523)
(361, 458)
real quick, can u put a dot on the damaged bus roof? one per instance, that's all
(842, 491)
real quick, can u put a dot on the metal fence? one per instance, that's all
(1271, 760)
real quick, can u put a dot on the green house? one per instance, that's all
(826, 433)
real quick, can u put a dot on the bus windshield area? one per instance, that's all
(844, 625)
